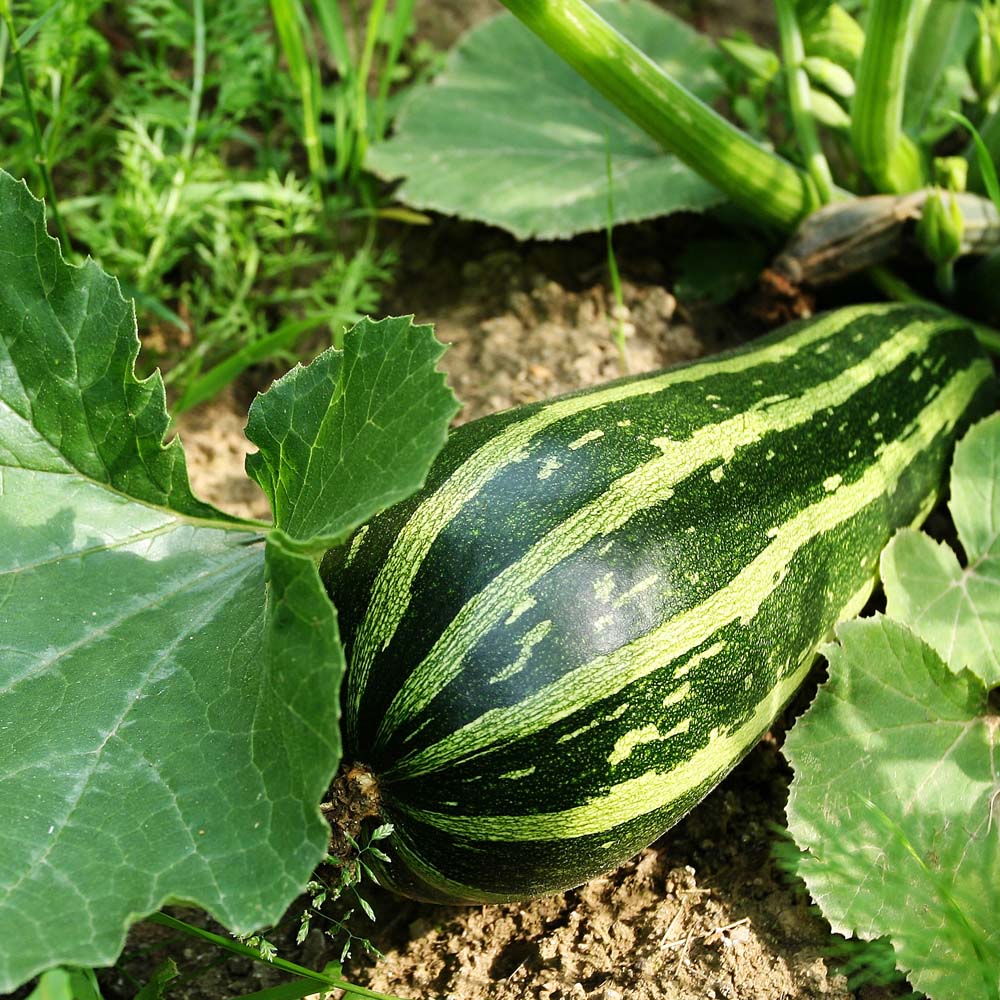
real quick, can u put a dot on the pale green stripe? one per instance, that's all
(391, 594)
(638, 490)
(635, 797)
(610, 674)
(629, 799)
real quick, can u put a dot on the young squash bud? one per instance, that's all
(755, 61)
(940, 227)
(830, 75)
(951, 172)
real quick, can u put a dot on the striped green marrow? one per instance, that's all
(598, 604)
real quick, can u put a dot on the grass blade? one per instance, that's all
(29, 33)
(402, 24)
(29, 106)
(946, 29)
(335, 35)
(986, 167)
(292, 27)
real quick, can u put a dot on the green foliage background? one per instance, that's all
(190, 186)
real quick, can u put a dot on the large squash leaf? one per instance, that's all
(168, 675)
(897, 762)
(895, 802)
(510, 135)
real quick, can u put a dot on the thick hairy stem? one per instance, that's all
(887, 155)
(765, 184)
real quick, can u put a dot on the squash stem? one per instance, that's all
(886, 153)
(766, 185)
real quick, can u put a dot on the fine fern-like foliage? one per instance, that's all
(169, 131)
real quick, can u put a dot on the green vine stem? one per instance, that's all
(886, 153)
(238, 948)
(800, 99)
(768, 186)
(41, 158)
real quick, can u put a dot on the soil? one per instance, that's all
(213, 439)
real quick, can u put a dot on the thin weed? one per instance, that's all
(345, 888)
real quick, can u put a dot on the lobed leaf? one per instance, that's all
(69, 401)
(954, 609)
(353, 432)
(169, 676)
(467, 145)
(895, 800)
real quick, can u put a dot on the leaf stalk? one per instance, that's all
(800, 100)
(886, 153)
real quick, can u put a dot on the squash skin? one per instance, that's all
(568, 638)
